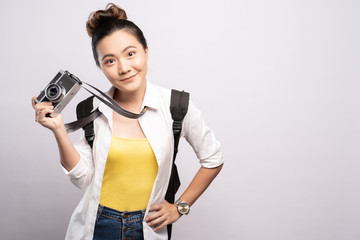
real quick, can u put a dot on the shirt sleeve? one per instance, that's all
(201, 138)
(81, 175)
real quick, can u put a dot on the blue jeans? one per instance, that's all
(111, 224)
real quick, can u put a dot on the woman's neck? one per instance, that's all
(130, 101)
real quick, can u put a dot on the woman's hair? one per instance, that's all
(102, 23)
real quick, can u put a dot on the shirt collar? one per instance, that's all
(151, 99)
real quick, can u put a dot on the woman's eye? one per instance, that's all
(130, 54)
(110, 61)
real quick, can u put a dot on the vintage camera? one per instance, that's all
(60, 91)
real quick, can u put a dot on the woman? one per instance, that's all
(126, 173)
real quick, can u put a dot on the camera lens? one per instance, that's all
(54, 92)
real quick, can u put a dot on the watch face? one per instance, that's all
(183, 208)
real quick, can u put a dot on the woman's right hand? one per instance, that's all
(68, 154)
(43, 108)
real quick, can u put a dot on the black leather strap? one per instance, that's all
(76, 125)
(73, 126)
(113, 104)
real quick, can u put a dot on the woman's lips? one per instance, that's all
(128, 79)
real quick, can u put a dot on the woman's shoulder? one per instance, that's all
(164, 92)
(158, 92)
(161, 90)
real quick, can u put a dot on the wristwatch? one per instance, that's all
(182, 207)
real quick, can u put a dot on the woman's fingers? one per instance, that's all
(165, 213)
(155, 207)
(157, 220)
(33, 103)
(41, 116)
(153, 216)
(43, 108)
(159, 223)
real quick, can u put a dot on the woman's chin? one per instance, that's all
(130, 86)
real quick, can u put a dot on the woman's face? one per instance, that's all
(123, 60)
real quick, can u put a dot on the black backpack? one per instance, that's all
(178, 108)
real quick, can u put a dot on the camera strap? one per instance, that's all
(74, 126)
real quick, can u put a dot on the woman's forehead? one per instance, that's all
(118, 40)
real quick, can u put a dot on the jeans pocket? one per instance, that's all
(100, 208)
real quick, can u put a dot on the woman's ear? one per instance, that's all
(147, 53)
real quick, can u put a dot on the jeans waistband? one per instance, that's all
(117, 214)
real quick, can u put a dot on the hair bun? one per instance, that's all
(111, 12)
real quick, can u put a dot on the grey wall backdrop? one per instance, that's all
(278, 82)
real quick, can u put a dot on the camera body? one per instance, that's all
(60, 91)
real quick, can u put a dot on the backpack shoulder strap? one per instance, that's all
(83, 110)
(178, 107)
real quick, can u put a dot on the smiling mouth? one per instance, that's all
(129, 78)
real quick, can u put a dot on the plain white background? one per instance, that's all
(277, 81)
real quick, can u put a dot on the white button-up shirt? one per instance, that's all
(156, 124)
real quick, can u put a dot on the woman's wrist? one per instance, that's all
(59, 130)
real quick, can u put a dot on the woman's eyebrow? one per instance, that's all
(112, 55)
(125, 49)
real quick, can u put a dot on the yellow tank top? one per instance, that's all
(129, 175)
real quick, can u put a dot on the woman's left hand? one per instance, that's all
(165, 214)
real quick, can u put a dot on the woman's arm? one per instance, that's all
(200, 183)
(208, 151)
(167, 213)
(68, 154)
(69, 157)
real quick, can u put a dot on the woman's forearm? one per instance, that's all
(199, 184)
(166, 213)
(68, 154)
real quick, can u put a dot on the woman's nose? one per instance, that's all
(123, 67)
